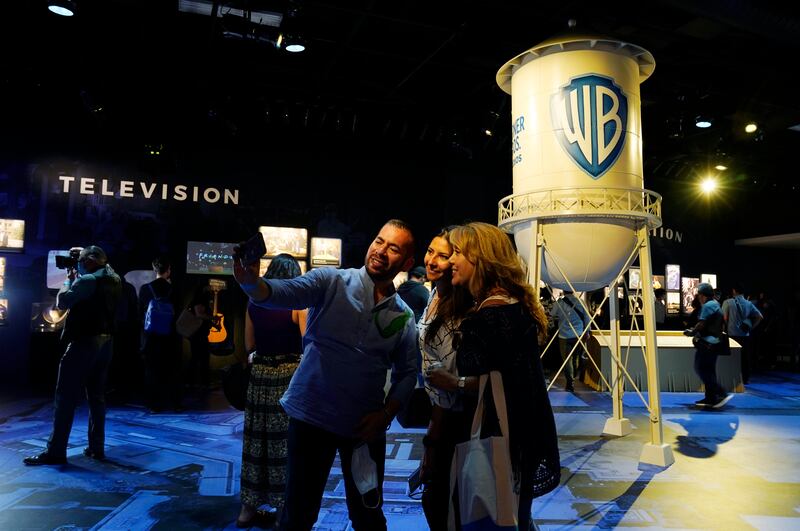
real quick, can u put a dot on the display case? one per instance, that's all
(326, 252)
(12, 235)
(289, 240)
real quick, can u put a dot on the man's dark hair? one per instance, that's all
(95, 253)
(659, 293)
(283, 266)
(161, 264)
(737, 286)
(400, 224)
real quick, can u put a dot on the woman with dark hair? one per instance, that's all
(437, 326)
(501, 334)
(273, 339)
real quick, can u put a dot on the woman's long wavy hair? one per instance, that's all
(496, 266)
(454, 304)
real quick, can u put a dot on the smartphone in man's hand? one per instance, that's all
(252, 250)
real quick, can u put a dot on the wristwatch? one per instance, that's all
(461, 383)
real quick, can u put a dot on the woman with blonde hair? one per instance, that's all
(501, 334)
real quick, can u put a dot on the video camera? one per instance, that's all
(68, 262)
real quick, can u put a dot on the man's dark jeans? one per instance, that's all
(705, 365)
(311, 453)
(84, 365)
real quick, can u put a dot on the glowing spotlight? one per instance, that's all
(751, 128)
(708, 185)
(720, 167)
(487, 132)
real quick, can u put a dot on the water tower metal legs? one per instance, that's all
(616, 425)
(655, 452)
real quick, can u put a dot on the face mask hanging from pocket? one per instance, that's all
(365, 473)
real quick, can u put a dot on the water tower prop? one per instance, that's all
(579, 212)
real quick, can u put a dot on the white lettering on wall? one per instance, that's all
(147, 190)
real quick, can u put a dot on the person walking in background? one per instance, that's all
(90, 293)
(413, 291)
(572, 321)
(741, 317)
(358, 329)
(162, 355)
(437, 328)
(273, 339)
(706, 334)
(501, 334)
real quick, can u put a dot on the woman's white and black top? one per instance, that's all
(438, 350)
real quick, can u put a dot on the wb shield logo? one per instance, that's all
(589, 116)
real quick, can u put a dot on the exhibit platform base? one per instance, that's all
(733, 467)
(617, 427)
(657, 454)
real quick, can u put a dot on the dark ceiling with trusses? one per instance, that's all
(419, 72)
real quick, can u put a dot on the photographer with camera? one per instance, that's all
(90, 293)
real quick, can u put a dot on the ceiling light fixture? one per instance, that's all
(708, 185)
(65, 8)
(720, 167)
(703, 122)
(291, 43)
(752, 127)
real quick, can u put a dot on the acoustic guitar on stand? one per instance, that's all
(217, 334)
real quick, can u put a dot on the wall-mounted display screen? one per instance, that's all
(289, 240)
(12, 234)
(688, 291)
(634, 278)
(673, 277)
(55, 276)
(673, 302)
(326, 252)
(209, 258)
(3, 311)
(658, 282)
(709, 279)
(264, 264)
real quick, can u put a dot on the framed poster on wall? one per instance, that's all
(673, 277)
(688, 291)
(289, 240)
(673, 302)
(709, 279)
(326, 252)
(634, 278)
(658, 282)
(3, 311)
(12, 235)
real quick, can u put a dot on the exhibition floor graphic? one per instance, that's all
(736, 468)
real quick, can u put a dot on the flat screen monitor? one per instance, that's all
(264, 265)
(688, 291)
(326, 252)
(673, 277)
(209, 258)
(673, 302)
(289, 240)
(709, 279)
(12, 234)
(55, 276)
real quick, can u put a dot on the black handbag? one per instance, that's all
(417, 414)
